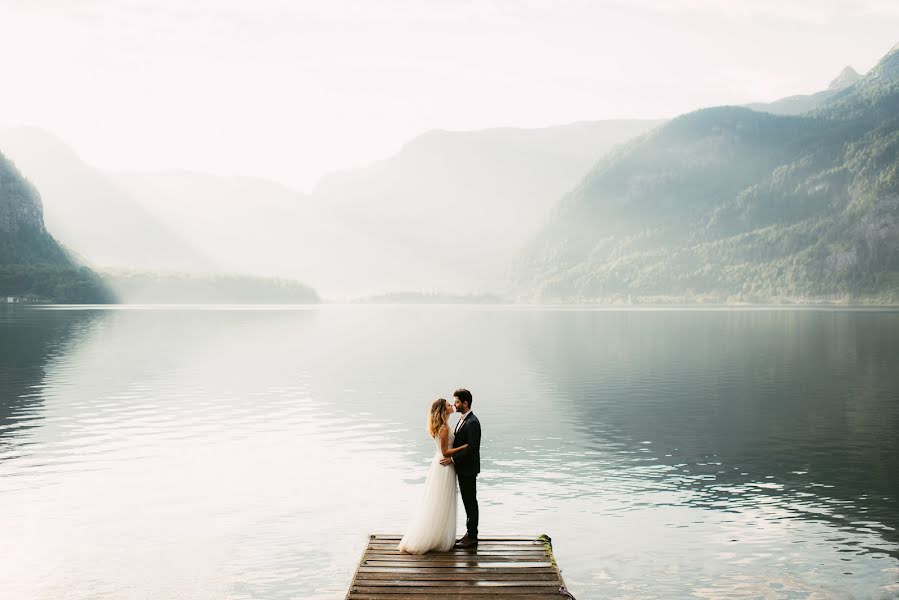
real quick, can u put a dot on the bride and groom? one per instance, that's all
(433, 526)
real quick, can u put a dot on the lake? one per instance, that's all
(247, 452)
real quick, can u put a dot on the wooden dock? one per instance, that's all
(499, 568)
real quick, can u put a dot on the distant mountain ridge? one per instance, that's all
(451, 209)
(23, 237)
(141, 287)
(32, 264)
(847, 77)
(730, 204)
(803, 103)
(89, 214)
(435, 216)
(34, 267)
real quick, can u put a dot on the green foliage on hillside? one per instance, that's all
(431, 298)
(30, 245)
(32, 264)
(54, 284)
(149, 287)
(728, 204)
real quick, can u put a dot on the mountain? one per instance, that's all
(847, 77)
(32, 263)
(796, 105)
(244, 224)
(733, 204)
(451, 209)
(145, 239)
(177, 222)
(23, 238)
(90, 215)
(141, 287)
(252, 225)
(434, 217)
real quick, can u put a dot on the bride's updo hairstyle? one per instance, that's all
(437, 416)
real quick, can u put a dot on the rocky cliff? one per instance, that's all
(23, 237)
(730, 204)
(32, 263)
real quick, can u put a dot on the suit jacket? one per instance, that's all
(468, 461)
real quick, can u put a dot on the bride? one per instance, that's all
(433, 526)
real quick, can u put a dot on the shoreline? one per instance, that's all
(698, 307)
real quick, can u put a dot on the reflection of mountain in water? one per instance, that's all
(732, 406)
(705, 437)
(31, 340)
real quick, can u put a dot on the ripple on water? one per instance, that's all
(701, 455)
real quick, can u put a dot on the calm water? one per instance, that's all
(209, 452)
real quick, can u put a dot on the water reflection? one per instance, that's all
(29, 344)
(230, 452)
(790, 400)
(763, 418)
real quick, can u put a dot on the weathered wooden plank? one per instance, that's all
(500, 568)
(459, 576)
(482, 542)
(468, 561)
(378, 555)
(455, 569)
(458, 564)
(456, 583)
(483, 571)
(450, 596)
(479, 550)
(470, 555)
(379, 536)
(473, 590)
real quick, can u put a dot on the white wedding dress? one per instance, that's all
(433, 525)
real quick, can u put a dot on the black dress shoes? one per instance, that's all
(467, 542)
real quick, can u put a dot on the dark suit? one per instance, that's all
(468, 465)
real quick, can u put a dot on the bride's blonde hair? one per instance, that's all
(437, 416)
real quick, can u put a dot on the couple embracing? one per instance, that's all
(458, 456)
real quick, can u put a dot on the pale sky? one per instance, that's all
(290, 90)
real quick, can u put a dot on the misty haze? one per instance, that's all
(360, 299)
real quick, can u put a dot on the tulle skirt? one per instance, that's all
(433, 524)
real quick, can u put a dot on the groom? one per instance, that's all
(468, 464)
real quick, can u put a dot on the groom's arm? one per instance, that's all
(474, 440)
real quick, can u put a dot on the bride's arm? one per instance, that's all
(449, 452)
(444, 444)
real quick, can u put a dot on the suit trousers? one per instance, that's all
(468, 487)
